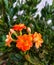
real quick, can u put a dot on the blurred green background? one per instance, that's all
(9, 15)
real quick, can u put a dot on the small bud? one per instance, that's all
(27, 57)
(28, 29)
(12, 31)
(31, 25)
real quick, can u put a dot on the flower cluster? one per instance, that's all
(25, 41)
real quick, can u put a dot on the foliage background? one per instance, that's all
(42, 56)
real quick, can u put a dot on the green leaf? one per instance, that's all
(6, 3)
(2, 44)
(18, 56)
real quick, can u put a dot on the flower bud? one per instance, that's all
(12, 31)
(31, 25)
(27, 57)
(28, 29)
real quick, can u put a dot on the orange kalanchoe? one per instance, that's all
(37, 38)
(8, 40)
(19, 27)
(24, 42)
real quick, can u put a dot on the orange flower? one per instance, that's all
(19, 27)
(24, 42)
(37, 38)
(8, 40)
